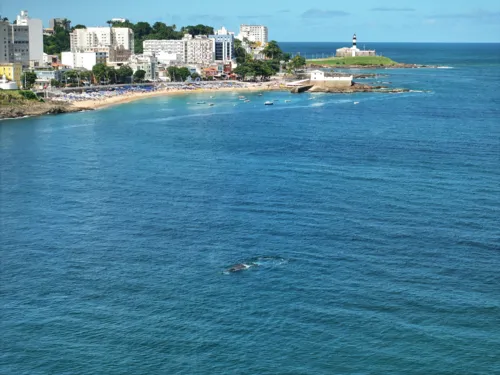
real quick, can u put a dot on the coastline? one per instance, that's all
(132, 97)
(60, 107)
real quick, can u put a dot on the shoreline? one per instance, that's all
(95, 104)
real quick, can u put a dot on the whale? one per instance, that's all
(240, 267)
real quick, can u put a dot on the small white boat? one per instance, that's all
(241, 97)
(356, 102)
(247, 101)
(260, 94)
(211, 104)
(269, 103)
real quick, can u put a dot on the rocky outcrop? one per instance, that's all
(356, 87)
(35, 109)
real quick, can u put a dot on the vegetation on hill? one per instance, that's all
(17, 97)
(357, 60)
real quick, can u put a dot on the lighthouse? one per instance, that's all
(354, 48)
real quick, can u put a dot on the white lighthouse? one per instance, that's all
(354, 47)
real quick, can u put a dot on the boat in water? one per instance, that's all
(201, 103)
(269, 103)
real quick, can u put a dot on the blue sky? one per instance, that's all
(294, 20)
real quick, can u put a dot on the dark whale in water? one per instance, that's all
(240, 267)
(260, 261)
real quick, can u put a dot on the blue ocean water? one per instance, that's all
(374, 229)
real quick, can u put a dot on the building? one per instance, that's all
(14, 43)
(319, 78)
(144, 62)
(44, 77)
(60, 22)
(85, 60)
(167, 51)
(35, 37)
(188, 50)
(354, 51)
(5, 42)
(223, 45)
(92, 38)
(199, 49)
(254, 33)
(48, 60)
(12, 72)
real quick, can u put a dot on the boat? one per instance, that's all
(259, 94)
(201, 103)
(356, 102)
(241, 97)
(247, 101)
(211, 104)
(287, 101)
(269, 103)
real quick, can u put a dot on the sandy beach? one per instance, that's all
(107, 101)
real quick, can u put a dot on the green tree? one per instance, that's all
(198, 30)
(28, 79)
(195, 75)
(273, 51)
(297, 62)
(79, 26)
(244, 71)
(240, 52)
(100, 72)
(139, 75)
(124, 73)
(184, 73)
(58, 42)
(55, 83)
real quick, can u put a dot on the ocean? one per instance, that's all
(372, 230)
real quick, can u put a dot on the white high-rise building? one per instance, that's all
(199, 50)
(84, 40)
(35, 36)
(254, 33)
(188, 50)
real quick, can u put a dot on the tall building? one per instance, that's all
(86, 40)
(254, 33)
(61, 22)
(188, 50)
(5, 39)
(19, 40)
(199, 50)
(223, 45)
(35, 37)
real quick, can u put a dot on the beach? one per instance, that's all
(104, 99)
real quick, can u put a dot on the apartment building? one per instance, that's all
(254, 33)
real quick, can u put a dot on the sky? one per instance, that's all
(293, 20)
